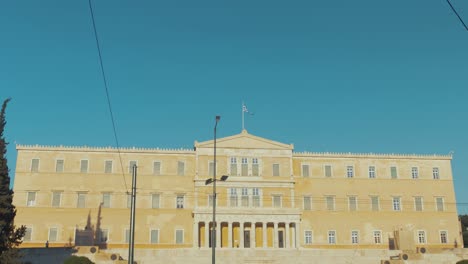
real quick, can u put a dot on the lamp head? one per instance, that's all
(218, 118)
(224, 178)
(208, 181)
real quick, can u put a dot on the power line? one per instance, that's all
(107, 93)
(456, 13)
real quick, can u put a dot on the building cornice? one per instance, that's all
(306, 154)
(105, 149)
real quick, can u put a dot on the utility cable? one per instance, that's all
(456, 13)
(107, 93)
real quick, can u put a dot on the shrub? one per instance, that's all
(465, 261)
(78, 260)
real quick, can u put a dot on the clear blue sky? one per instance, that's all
(344, 76)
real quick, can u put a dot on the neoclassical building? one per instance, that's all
(274, 197)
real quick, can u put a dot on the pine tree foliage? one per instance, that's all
(10, 236)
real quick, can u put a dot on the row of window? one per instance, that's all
(108, 166)
(371, 173)
(248, 167)
(105, 202)
(376, 236)
(103, 235)
(374, 203)
(248, 197)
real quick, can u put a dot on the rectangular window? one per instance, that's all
(81, 200)
(276, 169)
(180, 168)
(352, 203)
(330, 202)
(371, 172)
(350, 171)
(31, 199)
(332, 237)
(305, 170)
(233, 166)
(308, 237)
(180, 201)
(244, 167)
(210, 200)
(103, 235)
(233, 197)
(443, 237)
(157, 168)
(35, 165)
(154, 236)
(421, 237)
(440, 204)
(106, 200)
(393, 172)
(418, 203)
(377, 237)
(255, 197)
(328, 171)
(84, 166)
(59, 165)
(245, 197)
(211, 169)
(127, 235)
(53, 234)
(56, 199)
(255, 167)
(355, 237)
(155, 200)
(375, 206)
(108, 166)
(277, 201)
(130, 166)
(179, 236)
(28, 234)
(396, 203)
(307, 203)
(435, 173)
(414, 172)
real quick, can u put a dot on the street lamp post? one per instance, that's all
(214, 180)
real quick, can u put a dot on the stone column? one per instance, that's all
(264, 232)
(229, 234)
(253, 242)
(241, 234)
(296, 232)
(207, 234)
(286, 230)
(218, 234)
(275, 235)
(196, 233)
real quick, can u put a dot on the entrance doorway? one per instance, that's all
(247, 238)
(280, 239)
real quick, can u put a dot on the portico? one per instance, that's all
(248, 231)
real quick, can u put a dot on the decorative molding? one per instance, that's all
(307, 154)
(106, 149)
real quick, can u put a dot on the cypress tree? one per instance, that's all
(10, 236)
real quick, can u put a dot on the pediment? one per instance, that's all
(244, 140)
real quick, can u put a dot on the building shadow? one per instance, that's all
(92, 235)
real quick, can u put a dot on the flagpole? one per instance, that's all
(242, 109)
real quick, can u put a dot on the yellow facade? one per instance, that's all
(274, 197)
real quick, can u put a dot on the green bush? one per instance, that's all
(78, 260)
(465, 261)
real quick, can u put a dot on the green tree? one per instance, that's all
(78, 260)
(10, 236)
(464, 224)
